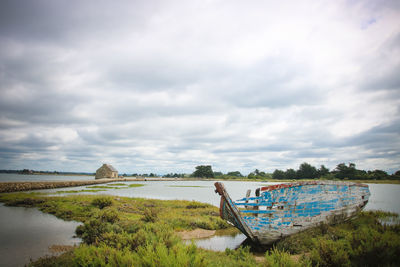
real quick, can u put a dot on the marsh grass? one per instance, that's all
(77, 191)
(116, 186)
(118, 231)
(136, 185)
(364, 241)
(103, 187)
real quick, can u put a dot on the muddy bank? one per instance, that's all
(6, 187)
(195, 234)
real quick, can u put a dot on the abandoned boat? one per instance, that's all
(280, 210)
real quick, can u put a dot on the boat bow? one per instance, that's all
(229, 212)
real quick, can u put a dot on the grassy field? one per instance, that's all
(120, 231)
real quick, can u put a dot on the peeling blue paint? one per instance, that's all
(303, 201)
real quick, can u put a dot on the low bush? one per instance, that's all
(102, 202)
(241, 256)
(150, 215)
(330, 253)
(280, 258)
(110, 216)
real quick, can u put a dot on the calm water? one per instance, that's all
(27, 233)
(202, 191)
(383, 197)
(13, 177)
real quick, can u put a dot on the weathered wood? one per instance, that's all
(247, 196)
(281, 210)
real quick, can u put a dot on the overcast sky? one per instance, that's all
(164, 86)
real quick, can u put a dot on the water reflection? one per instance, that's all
(27, 233)
(221, 241)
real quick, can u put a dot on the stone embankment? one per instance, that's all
(6, 187)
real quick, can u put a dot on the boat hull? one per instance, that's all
(285, 209)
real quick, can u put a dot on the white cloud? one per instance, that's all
(165, 86)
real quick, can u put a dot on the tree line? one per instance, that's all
(305, 171)
(342, 172)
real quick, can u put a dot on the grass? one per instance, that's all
(104, 187)
(116, 186)
(77, 191)
(119, 231)
(180, 215)
(136, 185)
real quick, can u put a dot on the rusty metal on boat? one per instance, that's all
(281, 210)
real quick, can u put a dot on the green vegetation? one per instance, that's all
(103, 187)
(341, 172)
(364, 241)
(136, 185)
(102, 202)
(115, 186)
(305, 171)
(203, 171)
(78, 191)
(174, 175)
(118, 231)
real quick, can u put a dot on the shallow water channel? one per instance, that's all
(39, 231)
(27, 233)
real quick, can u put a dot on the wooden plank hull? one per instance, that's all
(281, 210)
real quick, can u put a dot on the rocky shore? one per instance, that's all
(7, 187)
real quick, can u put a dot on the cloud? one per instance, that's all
(165, 86)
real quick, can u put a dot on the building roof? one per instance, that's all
(110, 167)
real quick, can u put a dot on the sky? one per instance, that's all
(164, 86)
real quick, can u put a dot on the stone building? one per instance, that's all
(106, 171)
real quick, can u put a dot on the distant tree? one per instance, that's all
(278, 174)
(218, 174)
(396, 175)
(378, 175)
(235, 173)
(306, 171)
(322, 171)
(203, 171)
(26, 171)
(290, 174)
(345, 172)
(259, 175)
